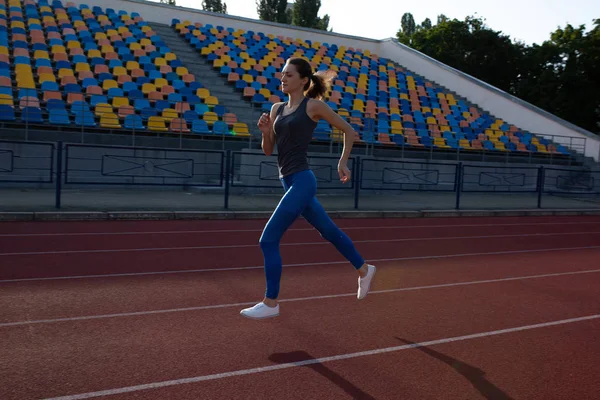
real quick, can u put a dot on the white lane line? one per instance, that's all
(183, 232)
(319, 243)
(269, 368)
(190, 271)
(328, 296)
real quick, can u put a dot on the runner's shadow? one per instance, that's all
(304, 359)
(473, 374)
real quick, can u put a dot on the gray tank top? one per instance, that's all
(293, 134)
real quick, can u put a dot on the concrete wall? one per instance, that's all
(489, 98)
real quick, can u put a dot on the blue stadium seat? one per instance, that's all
(32, 114)
(133, 121)
(7, 113)
(200, 126)
(59, 116)
(85, 118)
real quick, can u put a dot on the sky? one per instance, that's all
(529, 21)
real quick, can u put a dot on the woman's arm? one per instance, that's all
(265, 124)
(320, 110)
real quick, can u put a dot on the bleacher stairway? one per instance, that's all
(210, 78)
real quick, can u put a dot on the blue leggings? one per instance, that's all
(299, 199)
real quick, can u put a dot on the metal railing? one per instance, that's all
(31, 114)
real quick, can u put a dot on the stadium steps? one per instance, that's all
(209, 78)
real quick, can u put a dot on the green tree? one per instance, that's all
(426, 24)
(274, 11)
(305, 13)
(407, 29)
(559, 76)
(214, 6)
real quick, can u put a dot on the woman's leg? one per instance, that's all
(316, 215)
(302, 187)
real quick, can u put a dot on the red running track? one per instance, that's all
(499, 308)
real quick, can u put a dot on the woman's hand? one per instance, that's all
(264, 123)
(344, 172)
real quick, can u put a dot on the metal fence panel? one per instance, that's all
(379, 174)
(26, 162)
(571, 181)
(497, 179)
(115, 165)
(253, 170)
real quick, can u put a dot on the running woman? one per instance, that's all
(290, 125)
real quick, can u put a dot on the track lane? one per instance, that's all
(56, 227)
(172, 346)
(56, 265)
(54, 244)
(40, 300)
(509, 366)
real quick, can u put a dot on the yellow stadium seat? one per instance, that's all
(203, 93)
(107, 49)
(156, 123)
(131, 65)
(160, 82)
(440, 142)
(464, 143)
(169, 113)
(109, 84)
(79, 67)
(396, 125)
(343, 112)
(65, 72)
(148, 87)
(47, 78)
(39, 54)
(210, 117)
(94, 54)
(240, 129)
(110, 120)
(120, 101)
(211, 101)
(103, 108)
(6, 99)
(120, 71)
(499, 146)
(58, 49)
(26, 84)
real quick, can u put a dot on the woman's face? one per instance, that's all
(290, 79)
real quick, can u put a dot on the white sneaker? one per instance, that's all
(365, 283)
(260, 311)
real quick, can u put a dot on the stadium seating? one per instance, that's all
(385, 103)
(74, 66)
(85, 66)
